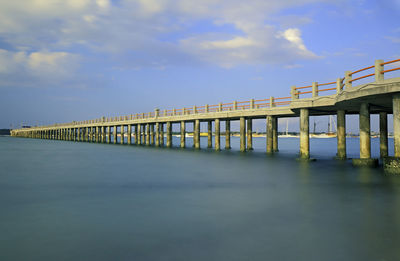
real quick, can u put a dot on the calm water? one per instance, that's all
(80, 201)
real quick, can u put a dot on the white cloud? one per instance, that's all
(134, 28)
(36, 67)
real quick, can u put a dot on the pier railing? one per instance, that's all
(313, 89)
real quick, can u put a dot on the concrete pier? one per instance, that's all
(227, 135)
(161, 134)
(129, 135)
(270, 136)
(183, 134)
(196, 134)
(115, 132)
(396, 124)
(275, 134)
(341, 135)
(249, 134)
(209, 134)
(147, 134)
(157, 134)
(152, 136)
(169, 134)
(122, 134)
(242, 134)
(217, 134)
(365, 137)
(383, 135)
(304, 134)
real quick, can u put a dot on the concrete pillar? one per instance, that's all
(269, 134)
(217, 135)
(227, 134)
(304, 134)
(143, 136)
(169, 134)
(242, 134)
(129, 134)
(183, 134)
(115, 134)
(108, 134)
(341, 134)
(209, 134)
(379, 77)
(275, 134)
(161, 134)
(365, 138)
(196, 134)
(157, 134)
(249, 134)
(122, 133)
(139, 134)
(396, 124)
(147, 134)
(97, 134)
(383, 135)
(152, 136)
(103, 134)
(314, 89)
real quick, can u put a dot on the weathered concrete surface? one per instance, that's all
(341, 135)
(249, 134)
(217, 135)
(391, 165)
(183, 134)
(269, 134)
(209, 134)
(304, 134)
(396, 124)
(275, 134)
(365, 162)
(157, 134)
(196, 134)
(227, 134)
(169, 134)
(365, 129)
(242, 134)
(383, 135)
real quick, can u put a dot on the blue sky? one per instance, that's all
(80, 59)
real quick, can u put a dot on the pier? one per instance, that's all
(341, 97)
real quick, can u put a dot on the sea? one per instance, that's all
(64, 200)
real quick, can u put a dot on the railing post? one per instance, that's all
(156, 113)
(379, 77)
(206, 108)
(174, 112)
(347, 79)
(165, 113)
(314, 89)
(219, 107)
(271, 102)
(294, 93)
(235, 105)
(252, 104)
(338, 85)
(194, 109)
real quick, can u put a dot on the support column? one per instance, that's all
(217, 135)
(227, 134)
(242, 134)
(270, 138)
(304, 134)
(147, 134)
(161, 134)
(103, 134)
(365, 137)
(138, 134)
(209, 134)
(115, 134)
(169, 134)
(152, 136)
(196, 134)
(143, 135)
(275, 134)
(396, 124)
(108, 134)
(383, 135)
(341, 134)
(97, 134)
(122, 133)
(157, 134)
(183, 134)
(129, 134)
(249, 134)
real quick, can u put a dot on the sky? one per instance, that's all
(72, 60)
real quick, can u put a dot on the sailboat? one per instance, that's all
(330, 133)
(287, 135)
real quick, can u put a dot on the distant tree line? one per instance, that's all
(4, 131)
